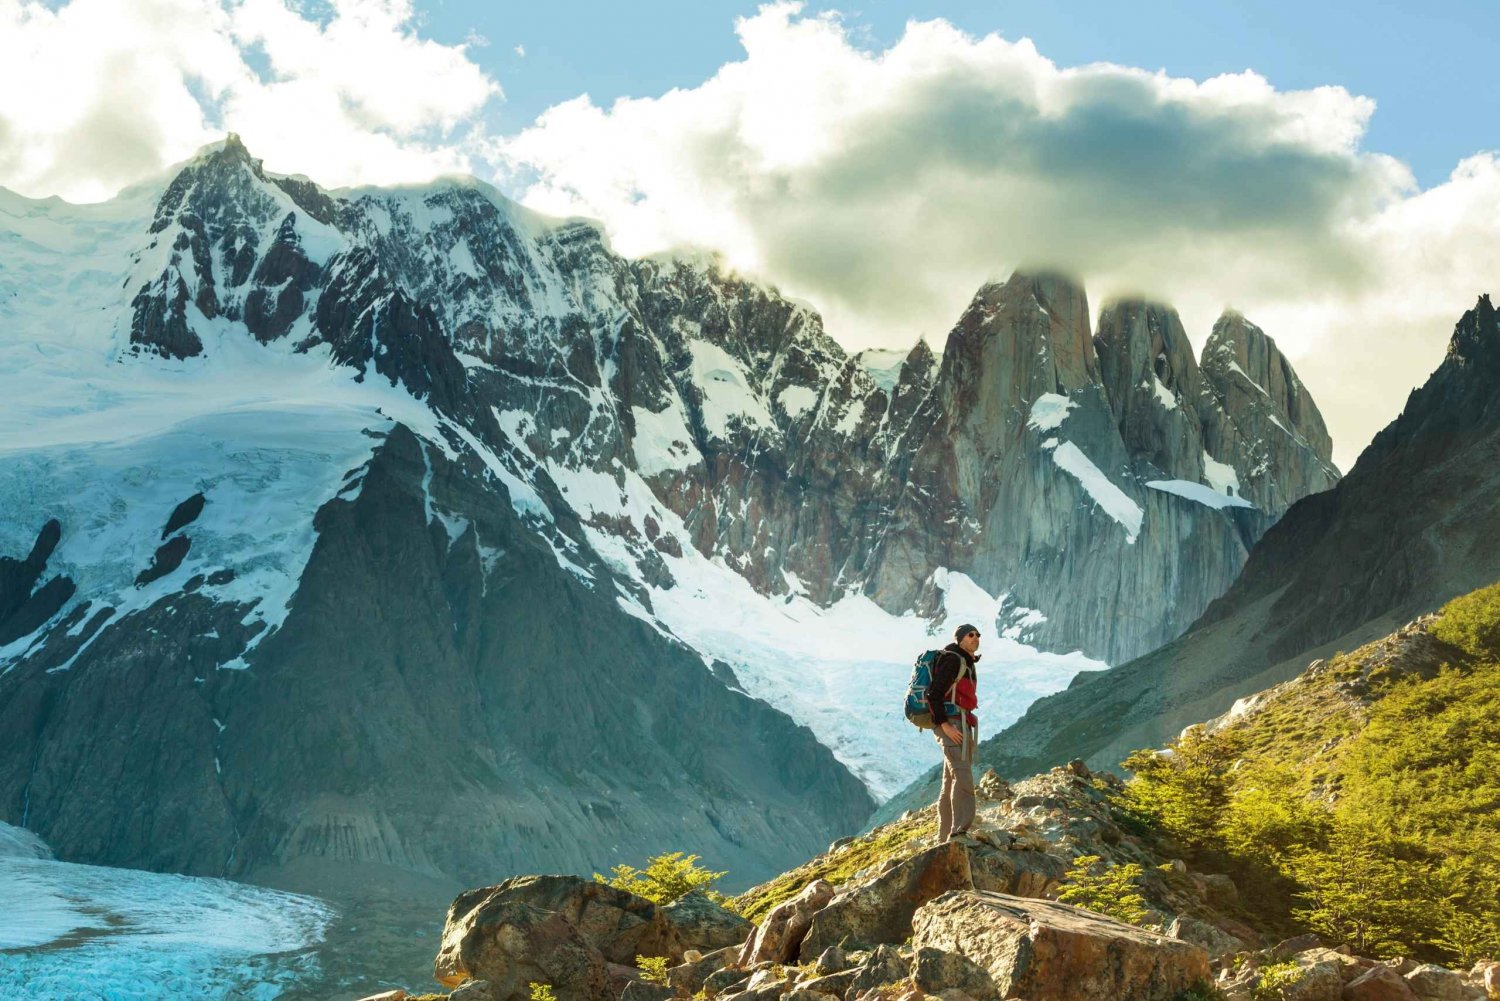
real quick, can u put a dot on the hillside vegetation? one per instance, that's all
(1360, 800)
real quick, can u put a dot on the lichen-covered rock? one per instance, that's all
(934, 970)
(688, 978)
(560, 930)
(880, 910)
(1379, 983)
(724, 981)
(473, 990)
(703, 924)
(639, 990)
(512, 943)
(779, 937)
(1046, 951)
(1435, 983)
(885, 965)
(1213, 939)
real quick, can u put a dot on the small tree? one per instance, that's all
(542, 992)
(1356, 891)
(1274, 981)
(666, 877)
(653, 969)
(1113, 891)
(1186, 789)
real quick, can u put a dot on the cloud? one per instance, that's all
(885, 186)
(100, 93)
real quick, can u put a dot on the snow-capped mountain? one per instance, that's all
(1411, 527)
(407, 526)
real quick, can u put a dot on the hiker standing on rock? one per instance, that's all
(952, 699)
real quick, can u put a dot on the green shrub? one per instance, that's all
(542, 992)
(1472, 623)
(1113, 891)
(1273, 980)
(665, 879)
(1186, 790)
(653, 969)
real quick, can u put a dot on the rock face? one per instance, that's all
(362, 733)
(558, 930)
(1048, 951)
(1407, 529)
(779, 937)
(705, 925)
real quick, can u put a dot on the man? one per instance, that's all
(952, 698)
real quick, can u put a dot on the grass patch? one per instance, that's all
(890, 841)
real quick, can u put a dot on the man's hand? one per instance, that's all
(951, 732)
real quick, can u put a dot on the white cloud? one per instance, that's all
(100, 93)
(881, 185)
(884, 186)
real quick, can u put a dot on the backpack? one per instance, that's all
(916, 709)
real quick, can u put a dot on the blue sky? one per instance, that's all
(1431, 67)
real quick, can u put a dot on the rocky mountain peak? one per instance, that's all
(1458, 405)
(1153, 383)
(1476, 338)
(1241, 358)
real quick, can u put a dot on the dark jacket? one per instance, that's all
(944, 674)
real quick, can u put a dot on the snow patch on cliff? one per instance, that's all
(1206, 496)
(1110, 499)
(1049, 411)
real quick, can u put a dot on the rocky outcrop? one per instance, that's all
(779, 937)
(705, 924)
(1048, 951)
(559, 930)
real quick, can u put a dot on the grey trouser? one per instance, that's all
(956, 801)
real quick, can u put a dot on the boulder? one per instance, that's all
(703, 924)
(473, 990)
(779, 937)
(1217, 890)
(1017, 873)
(1348, 965)
(880, 910)
(724, 981)
(1288, 948)
(688, 978)
(1379, 983)
(831, 960)
(885, 965)
(1319, 979)
(616, 924)
(1490, 979)
(639, 990)
(935, 971)
(836, 984)
(1046, 951)
(512, 943)
(1430, 981)
(1214, 940)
